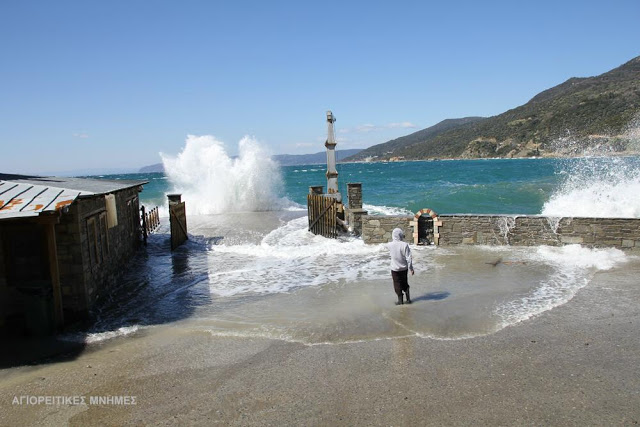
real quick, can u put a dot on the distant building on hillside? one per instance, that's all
(63, 242)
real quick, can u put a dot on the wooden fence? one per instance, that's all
(150, 222)
(322, 213)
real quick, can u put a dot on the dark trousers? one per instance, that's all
(400, 282)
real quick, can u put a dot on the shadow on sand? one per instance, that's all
(36, 351)
(157, 286)
(432, 296)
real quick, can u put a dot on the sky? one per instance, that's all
(110, 84)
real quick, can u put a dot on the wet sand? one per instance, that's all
(576, 364)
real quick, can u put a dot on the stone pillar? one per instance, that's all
(174, 199)
(316, 189)
(332, 172)
(354, 208)
(355, 220)
(354, 191)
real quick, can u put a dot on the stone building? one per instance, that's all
(63, 242)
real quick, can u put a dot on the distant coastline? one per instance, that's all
(282, 159)
(159, 168)
(634, 153)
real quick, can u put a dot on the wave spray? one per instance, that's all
(212, 182)
(597, 187)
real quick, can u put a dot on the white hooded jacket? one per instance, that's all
(400, 252)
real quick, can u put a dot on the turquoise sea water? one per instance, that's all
(461, 186)
(493, 186)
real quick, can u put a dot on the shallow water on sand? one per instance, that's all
(263, 275)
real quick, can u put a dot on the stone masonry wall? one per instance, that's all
(5, 297)
(378, 228)
(122, 242)
(70, 263)
(84, 275)
(622, 233)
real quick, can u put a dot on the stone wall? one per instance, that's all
(69, 247)
(533, 230)
(623, 233)
(3, 273)
(91, 255)
(378, 228)
(5, 292)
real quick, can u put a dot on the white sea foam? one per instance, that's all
(290, 257)
(597, 187)
(91, 338)
(211, 182)
(573, 266)
(386, 210)
(284, 336)
(120, 332)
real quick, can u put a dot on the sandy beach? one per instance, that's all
(578, 364)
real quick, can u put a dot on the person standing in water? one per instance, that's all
(401, 264)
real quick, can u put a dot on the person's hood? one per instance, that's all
(397, 234)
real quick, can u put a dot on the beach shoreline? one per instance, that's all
(575, 364)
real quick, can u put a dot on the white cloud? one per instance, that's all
(304, 144)
(81, 135)
(367, 127)
(401, 125)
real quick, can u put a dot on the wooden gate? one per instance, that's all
(178, 222)
(322, 213)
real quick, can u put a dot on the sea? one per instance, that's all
(250, 268)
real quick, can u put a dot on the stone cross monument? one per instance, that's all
(332, 173)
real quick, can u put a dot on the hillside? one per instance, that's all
(157, 167)
(581, 115)
(389, 148)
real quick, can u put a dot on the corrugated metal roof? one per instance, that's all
(89, 185)
(24, 200)
(24, 196)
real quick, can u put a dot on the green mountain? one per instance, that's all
(580, 116)
(388, 149)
